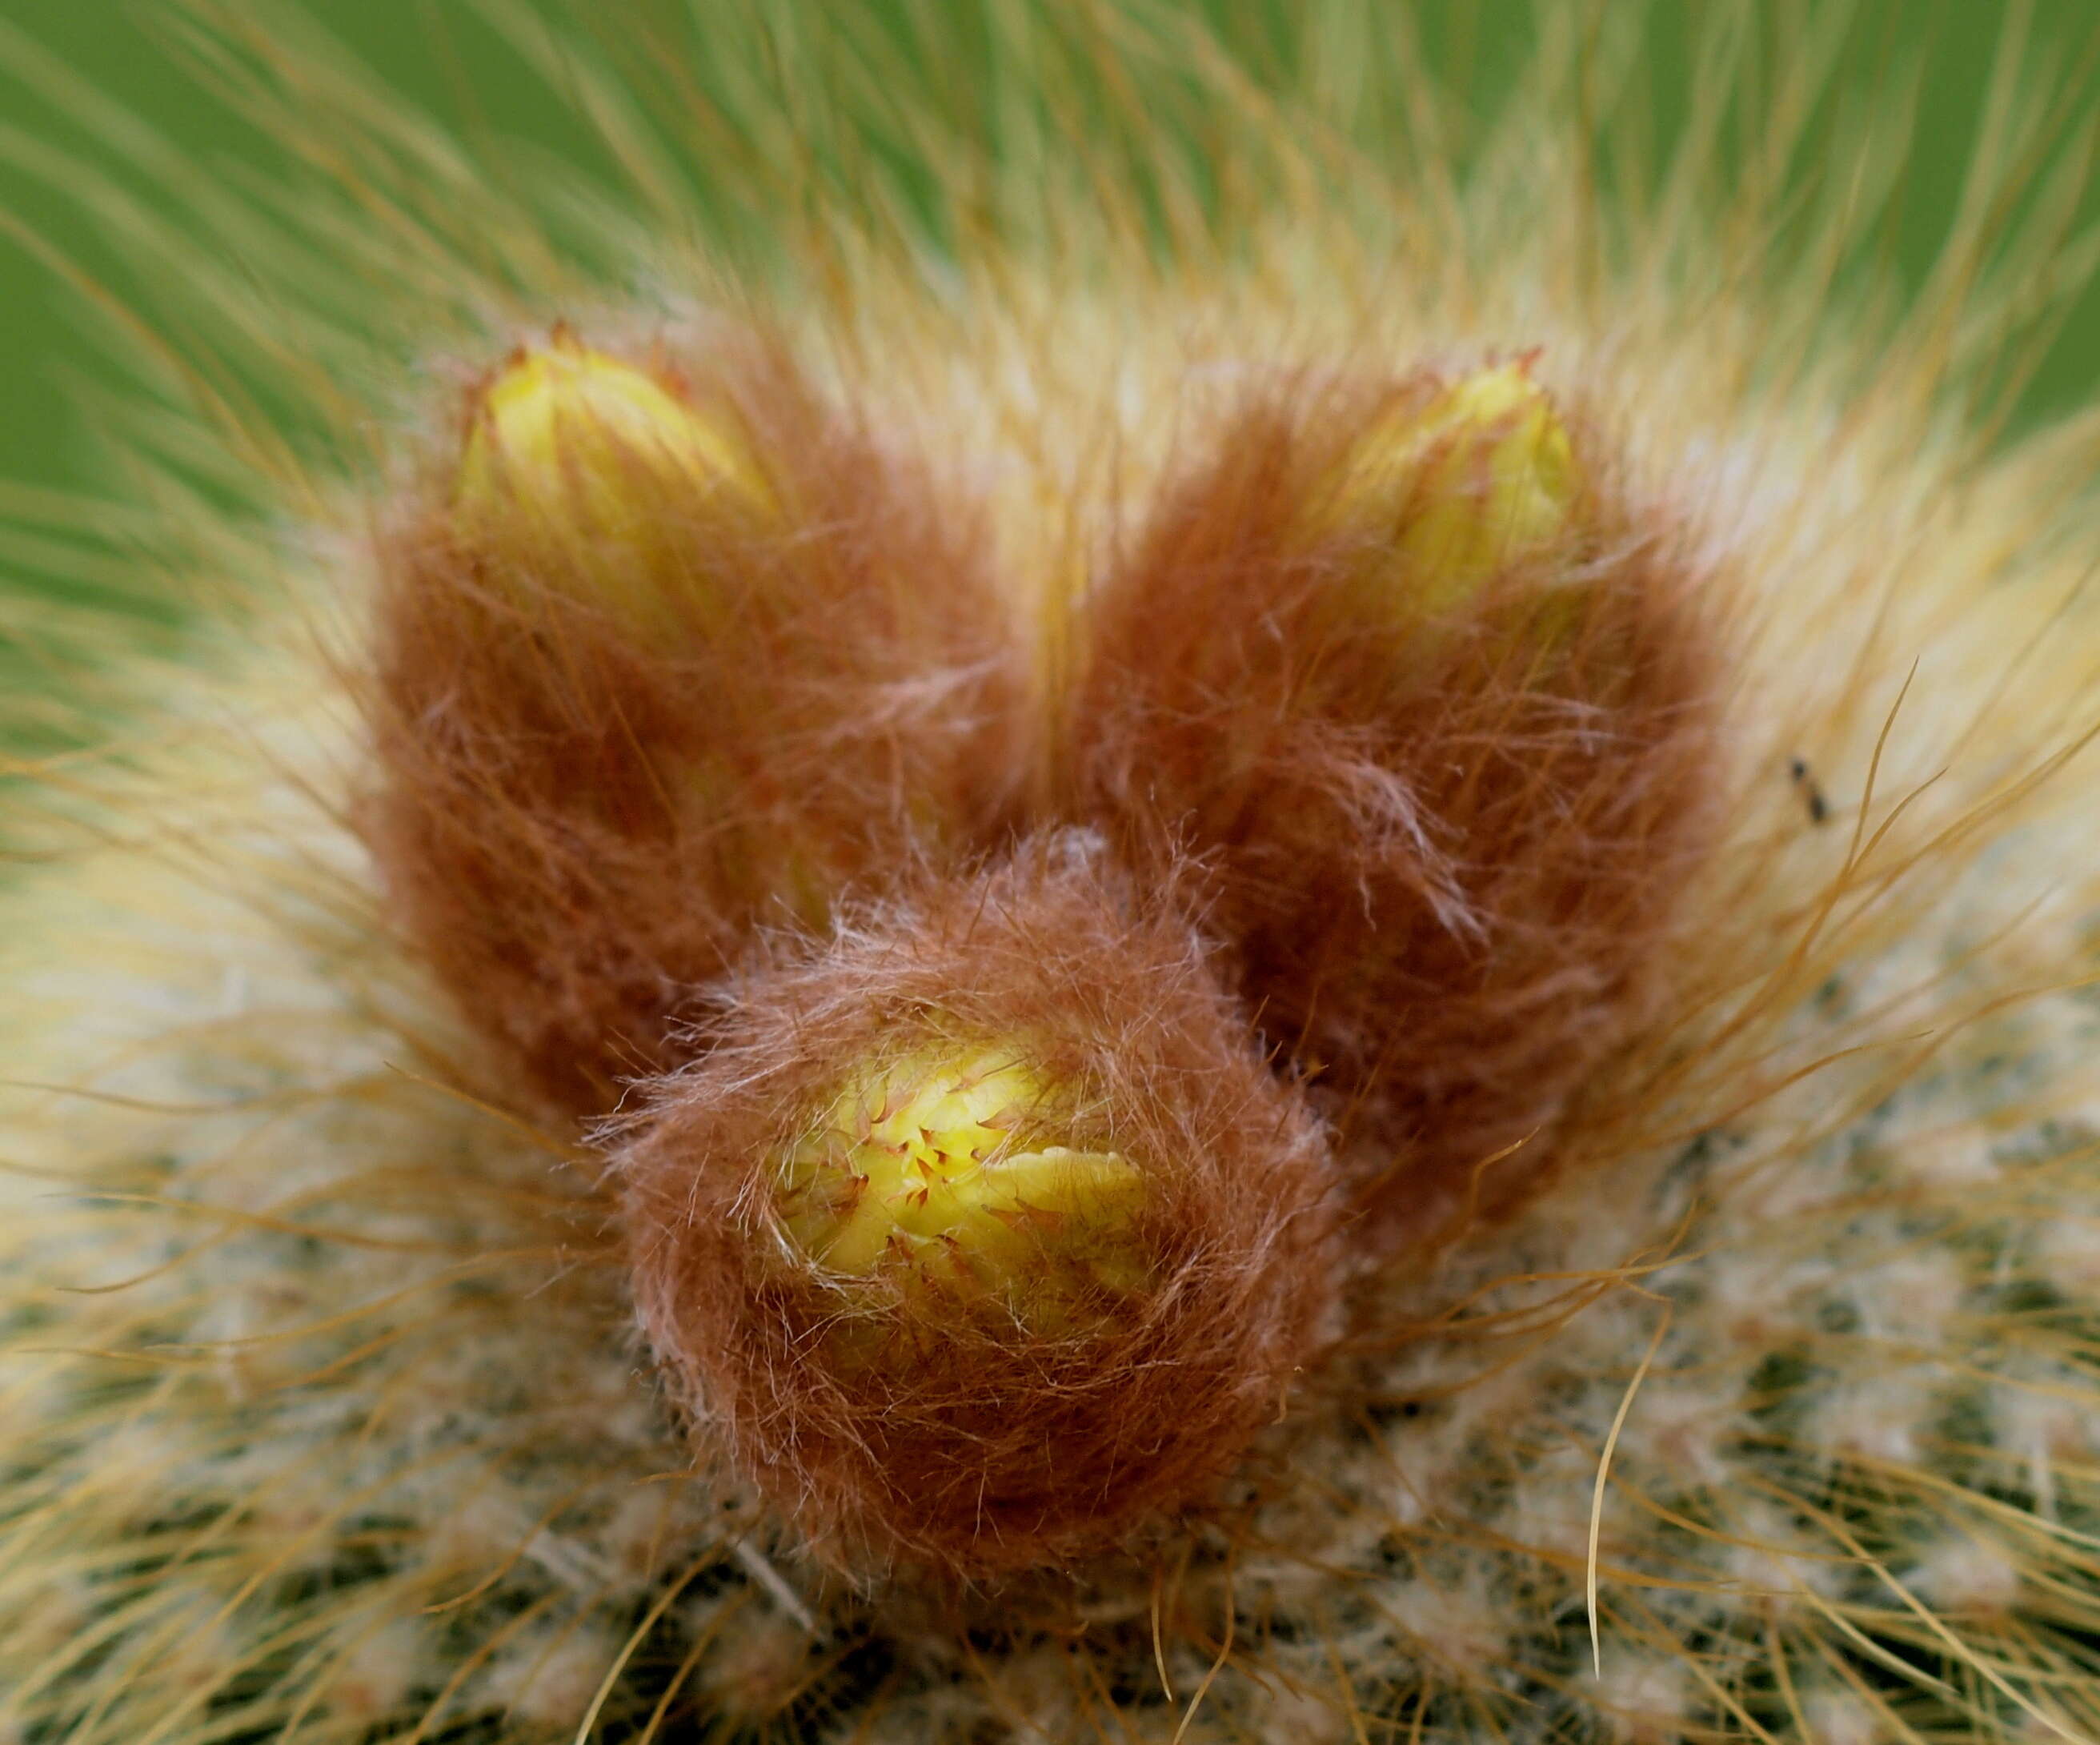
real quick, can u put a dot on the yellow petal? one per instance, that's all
(567, 431)
(1484, 475)
(943, 1168)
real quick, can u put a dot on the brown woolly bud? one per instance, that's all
(983, 1234)
(1429, 698)
(668, 650)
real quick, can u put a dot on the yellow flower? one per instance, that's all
(596, 444)
(1483, 476)
(939, 1170)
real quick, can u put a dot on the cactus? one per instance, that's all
(1225, 933)
(1449, 490)
(575, 437)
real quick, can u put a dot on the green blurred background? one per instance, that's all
(442, 53)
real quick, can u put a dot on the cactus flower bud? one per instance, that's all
(638, 689)
(936, 1168)
(1418, 699)
(1482, 476)
(984, 1233)
(575, 435)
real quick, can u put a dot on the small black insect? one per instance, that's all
(1819, 808)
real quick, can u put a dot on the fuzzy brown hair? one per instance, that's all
(978, 1442)
(603, 760)
(1444, 846)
